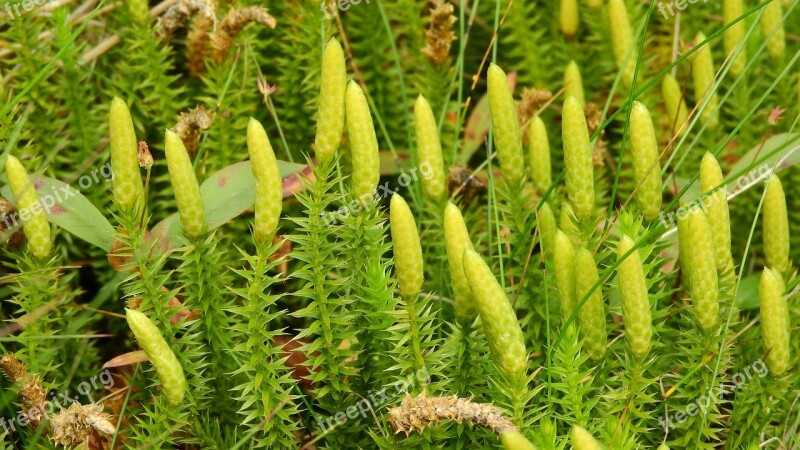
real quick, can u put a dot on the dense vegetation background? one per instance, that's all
(61, 63)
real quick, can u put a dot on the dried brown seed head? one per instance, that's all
(531, 103)
(179, 14)
(76, 423)
(233, 24)
(417, 413)
(197, 44)
(439, 32)
(190, 125)
(144, 156)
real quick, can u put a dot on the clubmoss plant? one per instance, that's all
(407, 248)
(363, 145)
(514, 440)
(169, 369)
(331, 114)
(547, 229)
(185, 186)
(622, 40)
(539, 155)
(592, 316)
(583, 440)
(702, 270)
(503, 332)
(677, 112)
(457, 241)
(31, 210)
(634, 298)
(712, 185)
(776, 226)
(703, 74)
(733, 38)
(569, 17)
(573, 82)
(127, 183)
(646, 167)
(507, 137)
(497, 316)
(269, 188)
(773, 31)
(774, 322)
(578, 160)
(564, 256)
(429, 150)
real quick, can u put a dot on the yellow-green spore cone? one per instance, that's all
(703, 73)
(539, 155)
(578, 160)
(564, 256)
(269, 186)
(774, 322)
(592, 316)
(583, 440)
(548, 228)
(407, 248)
(127, 183)
(634, 298)
(456, 239)
(772, 29)
(169, 370)
(185, 186)
(569, 17)
(776, 226)
(573, 82)
(712, 187)
(622, 40)
(507, 137)
(677, 111)
(429, 151)
(514, 440)
(363, 145)
(734, 36)
(702, 271)
(29, 209)
(646, 167)
(500, 324)
(331, 114)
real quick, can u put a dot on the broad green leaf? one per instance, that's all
(747, 293)
(760, 159)
(73, 212)
(226, 194)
